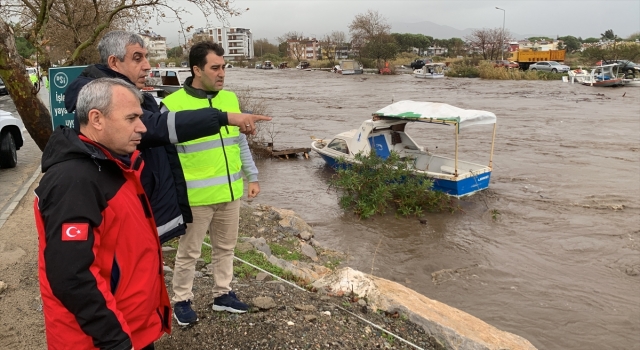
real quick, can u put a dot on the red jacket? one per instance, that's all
(100, 260)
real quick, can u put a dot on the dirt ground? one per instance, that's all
(299, 319)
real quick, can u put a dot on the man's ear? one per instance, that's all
(96, 119)
(111, 62)
(197, 71)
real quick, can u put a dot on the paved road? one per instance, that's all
(11, 180)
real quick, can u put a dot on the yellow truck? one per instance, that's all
(525, 58)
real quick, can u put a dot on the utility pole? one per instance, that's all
(504, 14)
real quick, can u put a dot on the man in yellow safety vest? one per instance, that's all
(213, 168)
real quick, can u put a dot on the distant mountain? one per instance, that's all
(437, 31)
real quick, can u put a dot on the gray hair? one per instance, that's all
(98, 95)
(115, 43)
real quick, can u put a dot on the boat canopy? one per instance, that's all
(436, 112)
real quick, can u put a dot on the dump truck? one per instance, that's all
(525, 58)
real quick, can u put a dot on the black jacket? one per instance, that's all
(162, 175)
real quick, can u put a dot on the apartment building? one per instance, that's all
(303, 49)
(237, 42)
(156, 45)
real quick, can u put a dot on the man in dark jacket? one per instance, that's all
(123, 55)
(100, 259)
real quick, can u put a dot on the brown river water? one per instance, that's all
(560, 262)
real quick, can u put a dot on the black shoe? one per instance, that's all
(184, 314)
(230, 303)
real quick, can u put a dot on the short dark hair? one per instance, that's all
(198, 54)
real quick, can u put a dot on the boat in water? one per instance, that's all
(578, 75)
(430, 71)
(348, 67)
(385, 132)
(168, 80)
(604, 76)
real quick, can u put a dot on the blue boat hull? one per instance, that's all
(458, 188)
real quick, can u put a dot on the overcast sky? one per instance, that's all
(270, 18)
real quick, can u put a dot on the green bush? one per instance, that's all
(373, 185)
(462, 69)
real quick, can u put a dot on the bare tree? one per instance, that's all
(371, 36)
(71, 27)
(489, 41)
(296, 45)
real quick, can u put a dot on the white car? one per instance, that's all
(11, 129)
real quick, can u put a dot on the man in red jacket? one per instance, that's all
(100, 260)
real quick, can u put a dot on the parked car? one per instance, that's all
(3, 88)
(418, 63)
(505, 64)
(303, 65)
(549, 66)
(11, 129)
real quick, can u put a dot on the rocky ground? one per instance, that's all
(284, 315)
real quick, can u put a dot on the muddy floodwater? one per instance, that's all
(550, 252)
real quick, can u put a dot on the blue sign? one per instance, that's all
(59, 80)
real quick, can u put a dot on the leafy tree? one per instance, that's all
(609, 35)
(571, 43)
(456, 47)
(633, 37)
(370, 34)
(539, 38)
(406, 41)
(619, 52)
(71, 28)
(24, 47)
(175, 52)
(263, 46)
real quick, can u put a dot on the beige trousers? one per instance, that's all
(222, 221)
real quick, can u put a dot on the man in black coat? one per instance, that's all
(123, 55)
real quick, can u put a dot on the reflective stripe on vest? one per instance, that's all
(203, 146)
(211, 165)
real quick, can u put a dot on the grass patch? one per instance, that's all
(256, 258)
(286, 251)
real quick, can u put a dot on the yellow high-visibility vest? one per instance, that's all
(212, 166)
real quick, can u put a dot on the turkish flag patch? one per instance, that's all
(75, 232)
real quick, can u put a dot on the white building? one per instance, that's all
(156, 45)
(237, 42)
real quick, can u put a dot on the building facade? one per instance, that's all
(304, 49)
(237, 42)
(156, 45)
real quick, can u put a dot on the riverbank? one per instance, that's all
(283, 316)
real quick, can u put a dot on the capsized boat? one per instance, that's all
(385, 133)
(430, 71)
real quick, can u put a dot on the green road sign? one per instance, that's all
(59, 80)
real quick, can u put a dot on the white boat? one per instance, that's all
(604, 76)
(430, 71)
(631, 82)
(348, 67)
(578, 75)
(385, 133)
(168, 79)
